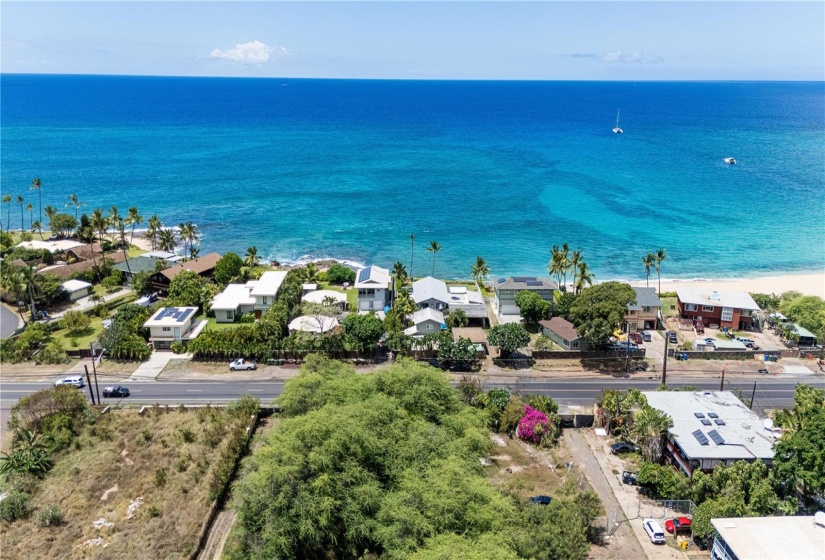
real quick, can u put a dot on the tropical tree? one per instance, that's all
(648, 261)
(120, 225)
(194, 252)
(399, 271)
(650, 426)
(36, 227)
(31, 287)
(251, 258)
(100, 224)
(559, 264)
(576, 259)
(114, 217)
(661, 255)
(192, 236)
(227, 268)
(532, 306)
(30, 455)
(7, 200)
(508, 338)
(599, 309)
(153, 229)
(585, 278)
(20, 203)
(61, 224)
(412, 252)
(167, 240)
(30, 208)
(434, 248)
(38, 186)
(480, 270)
(133, 220)
(74, 203)
(309, 273)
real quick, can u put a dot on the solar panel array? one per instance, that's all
(698, 415)
(364, 274)
(717, 439)
(179, 315)
(700, 437)
(713, 415)
(524, 278)
(501, 280)
(534, 283)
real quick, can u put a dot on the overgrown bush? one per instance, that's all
(50, 516)
(53, 353)
(15, 506)
(542, 403)
(247, 318)
(338, 274)
(75, 322)
(178, 348)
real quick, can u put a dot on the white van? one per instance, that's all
(75, 380)
(654, 531)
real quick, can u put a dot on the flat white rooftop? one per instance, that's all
(269, 283)
(736, 300)
(233, 296)
(714, 425)
(772, 538)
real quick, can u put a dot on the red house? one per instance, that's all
(723, 309)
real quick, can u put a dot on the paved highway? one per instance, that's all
(769, 393)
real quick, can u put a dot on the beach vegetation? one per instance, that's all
(508, 338)
(399, 272)
(63, 224)
(598, 310)
(648, 261)
(479, 271)
(228, 268)
(251, 257)
(807, 311)
(362, 332)
(338, 274)
(559, 264)
(457, 318)
(661, 255)
(532, 306)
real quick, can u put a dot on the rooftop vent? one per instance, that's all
(705, 422)
(698, 415)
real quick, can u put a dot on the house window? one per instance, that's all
(691, 307)
(166, 329)
(632, 313)
(429, 327)
(727, 313)
(647, 309)
(575, 344)
(265, 300)
(707, 308)
(228, 314)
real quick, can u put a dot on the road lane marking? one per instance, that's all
(194, 390)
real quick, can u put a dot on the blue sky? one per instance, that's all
(420, 40)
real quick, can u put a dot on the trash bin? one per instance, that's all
(670, 352)
(767, 357)
(684, 357)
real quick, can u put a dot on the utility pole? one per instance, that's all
(753, 394)
(664, 363)
(722, 384)
(89, 383)
(94, 369)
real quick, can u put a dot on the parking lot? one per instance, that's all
(764, 340)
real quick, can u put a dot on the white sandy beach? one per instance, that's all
(808, 284)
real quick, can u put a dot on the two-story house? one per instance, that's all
(265, 290)
(508, 288)
(431, 292)
(256, 296)
(734, 310)
(173, 324)
(644, 314)
(374, 288)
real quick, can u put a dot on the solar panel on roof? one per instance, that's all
(713, 415)
(502, 280)
(182, 317)
(523, 278)
(698, 415)
(719, 422)
(364, 275)
(717, 439)
(534, 283)
(700, 437)
(705, 422)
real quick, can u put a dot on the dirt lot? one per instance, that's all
(184, 368)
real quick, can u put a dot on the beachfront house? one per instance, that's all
(426, 321)
(265, 290)
(506, 290)
(734, 310)
(645, 313)
(711, 428)
(76, 289)
(142, 263)
(256, 296)
(374, 288)
(563, 333)
(202, 266)
(173, 324)
(430, 292)
(804, 337)
(471, 302)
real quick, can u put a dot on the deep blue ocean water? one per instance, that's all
(349, 168)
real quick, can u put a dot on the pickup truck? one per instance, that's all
(240, 364)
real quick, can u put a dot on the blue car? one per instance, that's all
(541, 500)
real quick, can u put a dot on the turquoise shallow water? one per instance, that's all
(348, 169)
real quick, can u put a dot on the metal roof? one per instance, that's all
(430, 288)
(525, 283)
(428, 314)
(561, 327)
(373, 277)
(802, 331)
(772, 538)
(736, 300)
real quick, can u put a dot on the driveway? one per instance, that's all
(8, 322)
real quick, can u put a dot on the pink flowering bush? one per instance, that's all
(537, 428)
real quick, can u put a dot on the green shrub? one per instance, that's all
(15, 506)
(543, 403)
(178, 348)
(53, 353)
(51, 516)
(154, 511)
(160, 477)
(247, 318)
(543, 343)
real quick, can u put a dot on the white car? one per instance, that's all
(240, 364)
(75, 380)
(654, 531)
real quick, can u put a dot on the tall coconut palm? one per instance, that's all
(648, 261)
(480, 270)
(20, 203)
(557, 265)
(31, 287)
(114, 218)
(74, 202)
(575, 259)
(153, 229)
(661, 255)
(433, 248)
(120, 226)
(585, 278)
(166, 240)
(194, 252)
(412, 252)
(7, 200)
(251, 257)
(309, 273)
(100, 224)
(86, 234)
(30, 208)
(38, 186)
(192, 235)
(399, 271)
(50, 212)
(36, 227)
(133, 220)
(184, 237)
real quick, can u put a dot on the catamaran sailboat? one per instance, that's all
(618, 130)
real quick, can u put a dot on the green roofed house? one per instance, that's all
(140, 264)
(806, 337)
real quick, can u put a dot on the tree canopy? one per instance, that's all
(338, 274)
(599, 309)
(228, 267)
(532, 306)
(508, 337)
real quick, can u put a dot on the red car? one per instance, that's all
(677, 523)
(636, 338)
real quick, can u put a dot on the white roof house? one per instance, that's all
(427, 314)
(53, 246)
(736, 300)
(269, 283)
(430, 288)
(310, 324)
(75, 285)
(372, 277)
(711, 428)
(427, 320)
(233, 297)
(769, 538)
(171, 317)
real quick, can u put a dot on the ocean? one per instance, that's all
(348, 169)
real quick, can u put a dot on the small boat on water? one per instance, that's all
(616, 129)
(730, 161)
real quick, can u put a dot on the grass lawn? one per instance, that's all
(83, 341)
(213, 325)
(135, 251)
(351, 293)
(666, 304)
(166, 457)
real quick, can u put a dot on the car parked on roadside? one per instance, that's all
(541, 500)
(671, 337)
(623, 447)
(73, 380)
(677, 523)
(629, 478)
(636, 338)
(654, 531)
(241, 364)
(117, 391)
(646, 336)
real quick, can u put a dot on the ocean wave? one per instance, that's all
(304, 260)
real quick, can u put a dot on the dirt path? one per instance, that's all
(623, 543)
(218, 535)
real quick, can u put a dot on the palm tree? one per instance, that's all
(153, 229)
(20, 202)
(480, 270)
(661, 255)
(251, 258)
(434, 248)
(191, 232)
(50, 212)
(7, 200)
(100, 224)
(309, 273)
(399, 271)
(193, 252)
(31, 213)
(134, 219)
(565, 262)
(648, 261)
(412, 252)
(31, 287)
(114, 217)
(649, 428)
(556, 266)
(120, 225)
(76, 203)
(585, 278)
(166, 241)
(575, 259)
(36, 227)
(37, 186)
(86, 234)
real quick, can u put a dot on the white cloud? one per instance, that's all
(638, 57)
(253, 52)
